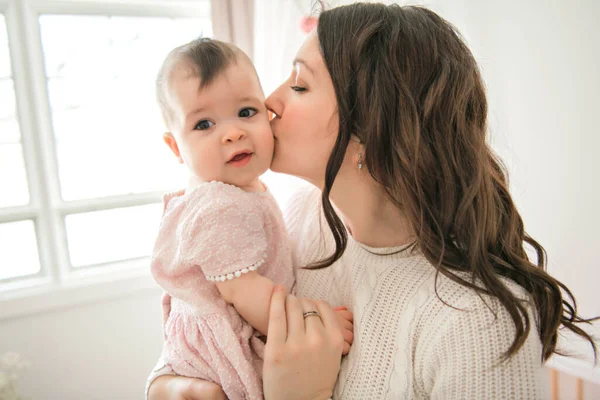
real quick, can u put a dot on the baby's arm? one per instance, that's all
(250, 294)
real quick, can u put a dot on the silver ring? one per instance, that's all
(311, 313)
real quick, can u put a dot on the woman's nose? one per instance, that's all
(274, 104)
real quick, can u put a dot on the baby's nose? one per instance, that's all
(234, 135)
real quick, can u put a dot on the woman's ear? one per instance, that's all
(170, 141)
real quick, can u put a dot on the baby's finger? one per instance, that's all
(347, 315)
(348, 325)
(348, 336)
(277, 331)
(346, 349)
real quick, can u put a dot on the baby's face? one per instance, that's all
(222, 131)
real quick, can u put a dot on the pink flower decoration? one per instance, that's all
(308, 23)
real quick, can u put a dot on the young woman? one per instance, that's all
(410, 225)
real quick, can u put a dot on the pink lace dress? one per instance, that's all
(213, 233)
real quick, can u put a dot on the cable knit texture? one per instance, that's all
(407, 343)
(214, 233)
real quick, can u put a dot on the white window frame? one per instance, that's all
(58, 284)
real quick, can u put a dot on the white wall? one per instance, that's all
(94, 351)
(540, 60)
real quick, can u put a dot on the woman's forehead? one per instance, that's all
(309, 56)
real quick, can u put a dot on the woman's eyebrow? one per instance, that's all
(301, 61)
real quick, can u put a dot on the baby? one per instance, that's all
(222, 244)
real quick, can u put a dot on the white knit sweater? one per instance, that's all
(407, 343)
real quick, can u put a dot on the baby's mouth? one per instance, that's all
(241, 158)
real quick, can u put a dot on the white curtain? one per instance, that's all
(277, 38)
(233, 21)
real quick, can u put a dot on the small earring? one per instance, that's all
(360, 163)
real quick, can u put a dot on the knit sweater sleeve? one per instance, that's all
(301, 215)
(295, 211)
(465, 361)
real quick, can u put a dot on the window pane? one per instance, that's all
(13, 178)
(18, 250)
(112, 235)
(107, 127)
(7, 104)
(4, 52)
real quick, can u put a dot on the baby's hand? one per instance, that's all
(345, 319)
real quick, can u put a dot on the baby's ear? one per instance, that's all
(170, 141)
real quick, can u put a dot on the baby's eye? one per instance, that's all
(247, 112)
(203, 125)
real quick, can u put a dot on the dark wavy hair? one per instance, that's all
(408, 86)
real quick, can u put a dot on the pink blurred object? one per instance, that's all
(308, 23)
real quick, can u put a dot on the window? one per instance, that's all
(21, 260)
(104, 117)
(18, 247)
(14, 185)
(82, 163)
(101, 95)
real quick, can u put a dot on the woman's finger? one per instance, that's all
(312, 322)
(295, 322)
(277, 331)
(328, 316)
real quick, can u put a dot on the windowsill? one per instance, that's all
(82, 288)
(575, 367)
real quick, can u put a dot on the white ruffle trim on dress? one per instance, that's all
(236, 274)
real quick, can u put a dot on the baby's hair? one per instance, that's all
(204, 58)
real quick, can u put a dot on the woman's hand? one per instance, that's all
(173, 387)
(302, 355)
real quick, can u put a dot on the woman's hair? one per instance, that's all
(407, 85)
